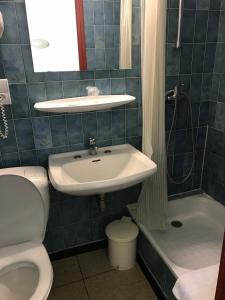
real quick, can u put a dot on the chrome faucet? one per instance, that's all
(92, 146)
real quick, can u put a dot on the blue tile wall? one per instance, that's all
(102, 30)
(214, 175)
(34, 135)
(193, 66)
(78, 220)
(27, 87)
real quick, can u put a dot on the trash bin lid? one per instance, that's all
(121, 231)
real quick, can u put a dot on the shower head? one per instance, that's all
(1, 24)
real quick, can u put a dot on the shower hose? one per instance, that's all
(187, 176)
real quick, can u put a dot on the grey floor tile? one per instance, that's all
(101, 281)
(74, 291)
(66, 271)
(93, 263)
(119, 285)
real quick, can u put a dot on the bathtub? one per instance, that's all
(194, 237)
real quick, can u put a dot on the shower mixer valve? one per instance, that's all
(171, 95)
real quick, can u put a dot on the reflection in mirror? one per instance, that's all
(125, 34)
(74, 35)
(102, 30)
(108, 30)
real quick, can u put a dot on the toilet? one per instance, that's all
(25, 268)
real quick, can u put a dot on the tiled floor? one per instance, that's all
(89, 276)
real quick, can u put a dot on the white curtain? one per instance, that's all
(125, 34)
(153, 200)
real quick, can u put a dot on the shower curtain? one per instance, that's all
(153, 200)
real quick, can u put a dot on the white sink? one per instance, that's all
(82, 104)
(113, 168)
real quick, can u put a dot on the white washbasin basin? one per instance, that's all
(82, 104)
(113, 168)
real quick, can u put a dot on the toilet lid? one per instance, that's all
(21, 211)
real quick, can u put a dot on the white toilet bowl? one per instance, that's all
(25, 272)
(25, 268)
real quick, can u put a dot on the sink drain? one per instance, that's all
(176, 223)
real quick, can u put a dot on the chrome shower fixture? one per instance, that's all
(172, 95)
(180, 17)
(1, 24)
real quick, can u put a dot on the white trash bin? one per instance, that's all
(122, 236)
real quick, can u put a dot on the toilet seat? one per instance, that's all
(25, 268)
(32, 253)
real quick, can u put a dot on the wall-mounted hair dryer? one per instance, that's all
(1, 24)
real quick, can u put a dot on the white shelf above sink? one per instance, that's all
(82, 104)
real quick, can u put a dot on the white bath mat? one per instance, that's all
(199, 284)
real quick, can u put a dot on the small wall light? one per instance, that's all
(40, 43)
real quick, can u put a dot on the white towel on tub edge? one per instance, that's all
(197, 284)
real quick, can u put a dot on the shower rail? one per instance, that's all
(179, 23)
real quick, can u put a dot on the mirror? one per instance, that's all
(53, 35)
(74, 35)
